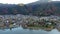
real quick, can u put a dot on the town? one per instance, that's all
(26, 21)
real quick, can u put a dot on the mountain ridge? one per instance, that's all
(36, 8)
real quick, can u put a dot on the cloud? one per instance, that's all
(17, 1)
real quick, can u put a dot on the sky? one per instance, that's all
(56, 0)
(19, 1)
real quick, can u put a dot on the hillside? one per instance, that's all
(36, 8)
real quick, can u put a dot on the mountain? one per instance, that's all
(37, 8)
(45, 8)
(11, 9)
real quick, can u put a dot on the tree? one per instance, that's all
(15, 11)
(5, 10)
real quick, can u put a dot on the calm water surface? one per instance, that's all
(20, 30)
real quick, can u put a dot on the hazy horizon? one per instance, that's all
(20, 1)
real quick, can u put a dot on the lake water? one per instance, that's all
(20, 30)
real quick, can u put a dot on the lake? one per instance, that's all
(20, 30)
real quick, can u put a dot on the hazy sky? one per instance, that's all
(56, 0)
(18, 1)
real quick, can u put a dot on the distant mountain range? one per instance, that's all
(37, 8)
